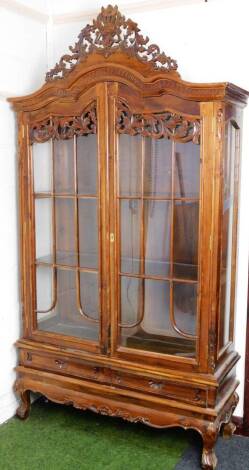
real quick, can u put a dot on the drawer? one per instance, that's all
(163, 388)
(118, 379)
(65, 366)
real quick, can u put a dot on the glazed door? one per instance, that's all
(67, 162)
(157, 196)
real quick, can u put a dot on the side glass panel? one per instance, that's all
(66, 204)
(158, 221)
(229, 233)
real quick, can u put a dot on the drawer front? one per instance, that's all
(163, 388)
(64, 366)
(78, 368)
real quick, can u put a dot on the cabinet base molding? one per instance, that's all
(67, 391)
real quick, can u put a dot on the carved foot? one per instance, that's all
(24, 408)
(228, 430)
(209, 460)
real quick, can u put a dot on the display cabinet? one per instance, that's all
(128, 219)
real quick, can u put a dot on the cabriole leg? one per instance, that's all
(228, 430)
(209, 459)
(24, 408)
(229, 427)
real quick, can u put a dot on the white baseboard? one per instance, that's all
(8, 406)
(9, 403)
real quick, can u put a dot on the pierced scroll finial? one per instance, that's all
(110, 32)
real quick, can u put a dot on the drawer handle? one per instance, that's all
(29, 357)
(156, 385)
(96, 370)
(60, 363)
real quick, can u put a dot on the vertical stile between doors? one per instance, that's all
(104, 228)
(113, 221)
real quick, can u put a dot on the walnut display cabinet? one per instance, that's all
(128, 219)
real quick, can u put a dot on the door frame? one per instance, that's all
(207, 270)
(95, 94)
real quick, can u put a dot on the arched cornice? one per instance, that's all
(113, 49)
(71, 88)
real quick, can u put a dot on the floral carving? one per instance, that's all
(212, 342)
(170, 125)
(110, 32)
(118, 413)
(219, 120)
(64, 127)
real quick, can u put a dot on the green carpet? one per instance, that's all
(60, 437)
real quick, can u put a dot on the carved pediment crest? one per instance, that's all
(108, 33)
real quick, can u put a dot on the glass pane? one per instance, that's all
(227, 234)
(43, 228)
(157, 167)
(89, 294)
(130, 151)
(157, 242)
(87, 164)
(130, 296)
(185, 307)
(130, 219)
(63, 166)
(66, 317)
(186, 226)
(44, 288)
(88, 232)
(65, 232)
(42, 164)
(153, 332)
(157, 300)
(187, 170)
